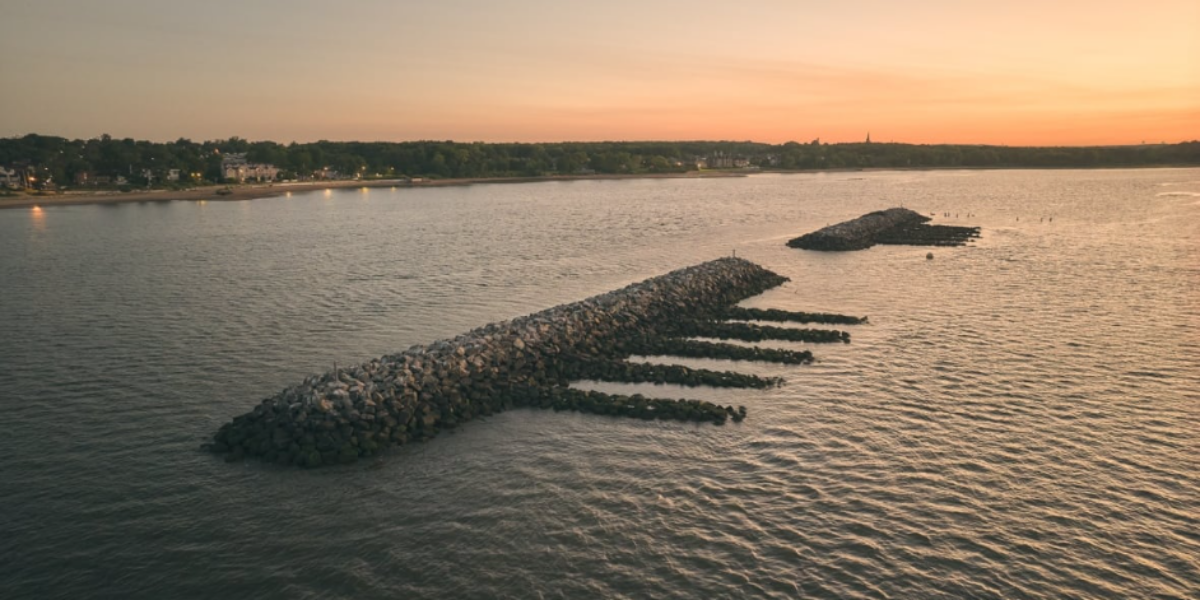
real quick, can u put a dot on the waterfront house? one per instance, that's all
(90, 178)
(720, 160)
(11, 178)
(235, 166)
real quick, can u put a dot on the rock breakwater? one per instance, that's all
(358, 411)
(891, 226)
(784, 316)
(749, 332)
(922, 234)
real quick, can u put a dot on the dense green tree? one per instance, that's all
(63, 159)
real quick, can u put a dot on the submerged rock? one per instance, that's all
(786, 316)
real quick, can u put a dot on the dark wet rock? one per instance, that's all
(634, 406)
(928, 235)
(622, 371)
(785, 316)
(652, 346)
(748, 332)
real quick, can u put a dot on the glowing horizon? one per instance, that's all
(934, 71)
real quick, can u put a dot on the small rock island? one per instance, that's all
(891, 226)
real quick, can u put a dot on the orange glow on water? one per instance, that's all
(39, 218)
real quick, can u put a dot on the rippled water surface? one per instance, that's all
(1020, 419)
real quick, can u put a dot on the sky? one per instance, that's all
(1017, 72)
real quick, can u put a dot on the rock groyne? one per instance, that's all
(891, 226)
(354, 412)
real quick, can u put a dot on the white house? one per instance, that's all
(235, 166)
(10, 178)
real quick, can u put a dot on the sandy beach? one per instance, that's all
(255, 191)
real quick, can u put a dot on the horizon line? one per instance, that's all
(864, 141)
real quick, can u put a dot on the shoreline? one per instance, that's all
(255, 192)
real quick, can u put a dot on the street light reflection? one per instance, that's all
(39, 218)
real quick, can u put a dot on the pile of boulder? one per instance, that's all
(348, 413)
(891, 226)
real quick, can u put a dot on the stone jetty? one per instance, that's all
(891, 226)
(358, 411)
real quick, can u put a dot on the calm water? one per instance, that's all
(1020, 420)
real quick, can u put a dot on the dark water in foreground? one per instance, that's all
(1020, 420)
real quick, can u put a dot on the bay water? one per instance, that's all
(1019, 419)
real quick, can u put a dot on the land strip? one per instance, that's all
(254, 192)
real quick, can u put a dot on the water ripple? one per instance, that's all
(1017, 420)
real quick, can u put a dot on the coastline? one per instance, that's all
(254, 192)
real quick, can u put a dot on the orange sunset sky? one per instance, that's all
(1018, 72)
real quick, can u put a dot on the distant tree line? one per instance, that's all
(60, 159)
(815, 155)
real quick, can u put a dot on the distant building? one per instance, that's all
(235, 166)
(172, 174)
(720, 160)
(326, 173)
(11, 178)
(89, 178)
